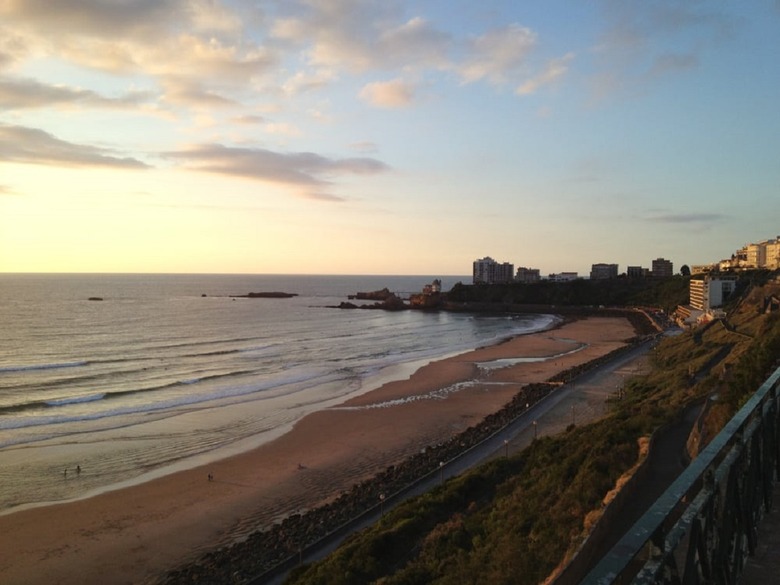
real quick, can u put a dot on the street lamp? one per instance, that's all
(534, 423)
(381, 504)
(441, 471)
(506, 448)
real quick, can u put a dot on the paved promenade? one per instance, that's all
(764, 567)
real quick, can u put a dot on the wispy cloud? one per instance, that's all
(498, 55)
(364, 147)
(359, 36)
(21, 144)
(309, 172)
(554, 70)
(248, 120)
(395, 93)
(17, 94)
(633, 49)
(690, 218)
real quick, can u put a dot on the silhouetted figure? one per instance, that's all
(78, 470)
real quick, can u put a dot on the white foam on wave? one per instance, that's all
(34, 367)
(302, 378)
(507, 362)
(439, 394)
(76, 399)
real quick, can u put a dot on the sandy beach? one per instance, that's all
(136, 534)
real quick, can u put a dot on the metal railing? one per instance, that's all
(704, 526)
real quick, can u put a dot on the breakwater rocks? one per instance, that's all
(283, 543)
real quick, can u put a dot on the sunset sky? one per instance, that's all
(385, 137)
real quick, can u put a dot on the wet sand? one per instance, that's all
(136, 534)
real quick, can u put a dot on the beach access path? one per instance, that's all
(137, 534)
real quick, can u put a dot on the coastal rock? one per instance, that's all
(377, 295)
(95, 299)
(266, 295)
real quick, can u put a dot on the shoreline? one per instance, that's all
(164, 523)
(395, 372)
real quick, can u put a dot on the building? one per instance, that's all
(703, 268)
(488, 271)
(662, 268)
(763, 255)
(528, 275)
(603, 271)
(563, 277)
(430, 298)
(433, 288)
(773, 254)
(637, 272)
(755, 255)
(707, 292)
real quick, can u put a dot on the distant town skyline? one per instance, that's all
(384, 137)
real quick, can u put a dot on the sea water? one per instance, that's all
(170, 371)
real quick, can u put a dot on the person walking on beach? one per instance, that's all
(78, 470)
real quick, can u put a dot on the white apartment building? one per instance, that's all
(488, 271)
(764, 254)
(708, 292)
(756, 255)
(528, 275)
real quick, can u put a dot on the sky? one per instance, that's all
(383, 136)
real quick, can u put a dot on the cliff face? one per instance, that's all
(426, 301)
(377, 295)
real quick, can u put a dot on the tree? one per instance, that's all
(685, 270)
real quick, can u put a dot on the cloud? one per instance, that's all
(248, 120)
(388, 94)
(687, 218)
(6, 190)
(111, 18)
(498, 55)
(17, 94)
(633, 49)
(554, 70)
(669, 62)
(13, 48)
(33, 146)
(191, 93)
(362, 35)
(365, 147)
(195, 39)
(302, 81)
(305, 170)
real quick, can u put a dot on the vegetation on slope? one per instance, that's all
(513, 520)
(665, 293)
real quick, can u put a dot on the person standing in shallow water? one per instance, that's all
(78, 470)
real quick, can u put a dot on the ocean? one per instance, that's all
(171, 371)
